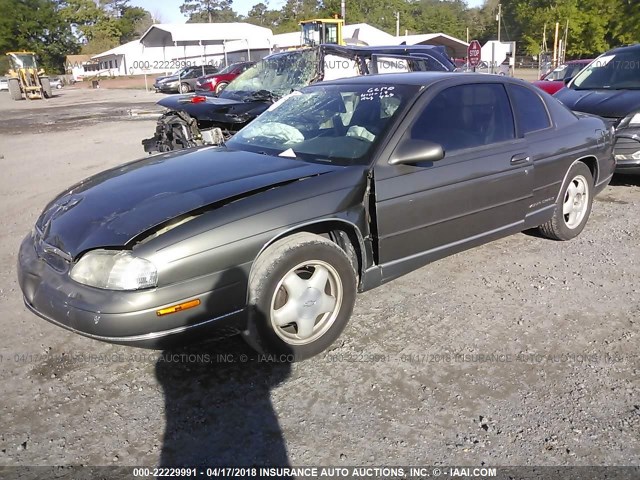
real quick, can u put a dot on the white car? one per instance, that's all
(4, 83)
(55, 83)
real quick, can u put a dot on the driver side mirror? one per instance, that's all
(412, 151)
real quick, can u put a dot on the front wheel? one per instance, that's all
(573, 205)
(14, 89)
(46, 87)
(221, 86)
(301, 294)
(185, 88)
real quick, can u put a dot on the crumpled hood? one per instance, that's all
(216, 109)
(605, 103)
(113, 207)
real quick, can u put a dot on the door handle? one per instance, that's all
(519, 158)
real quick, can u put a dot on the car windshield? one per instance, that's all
(611, 71)
(277, 75)
(333, 123)
(227, 69)
(567, 70)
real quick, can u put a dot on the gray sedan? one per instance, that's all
(336, 189)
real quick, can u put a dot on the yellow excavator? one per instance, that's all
(322, 30)
(25, 79)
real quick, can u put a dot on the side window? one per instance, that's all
(531, 113)
(466, 116)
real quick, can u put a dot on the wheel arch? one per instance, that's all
(330, 228)
(592, 164)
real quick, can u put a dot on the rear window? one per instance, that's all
(530, 112)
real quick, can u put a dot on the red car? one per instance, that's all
(554, 80)
(217, 81)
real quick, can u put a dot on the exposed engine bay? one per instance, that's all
(206, 119)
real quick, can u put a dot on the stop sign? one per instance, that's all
(473, 53)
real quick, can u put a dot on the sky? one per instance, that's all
(169, 10)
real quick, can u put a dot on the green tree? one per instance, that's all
(38, 26)
(261, 15)
(208, 11)
(133, 22)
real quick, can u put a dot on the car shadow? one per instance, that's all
(621, 180)
(218, 408)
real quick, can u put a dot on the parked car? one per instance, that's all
(610, 87)
(484, 67)
(207, 119)
(4, 83)
(55, 82)
(183, 80)
(218, 81)
(553, 81)
(336, 189)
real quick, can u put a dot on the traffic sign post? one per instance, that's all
(473, 54)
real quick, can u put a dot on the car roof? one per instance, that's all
(628, 48)
(352, 51)
(424, 78)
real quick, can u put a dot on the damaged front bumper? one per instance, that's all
(122, 317)
(178, 130)
(627, 150)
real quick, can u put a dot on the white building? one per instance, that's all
(80, 66)
(456, 48)
(165, 48)
(494, 52)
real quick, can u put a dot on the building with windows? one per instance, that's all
(164, 48)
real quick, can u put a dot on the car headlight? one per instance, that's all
(114, 270)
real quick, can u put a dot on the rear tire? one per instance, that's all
(14, 89)
(46, 87)
(301, 294)
(573, 205)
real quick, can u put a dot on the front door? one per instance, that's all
(479, 191)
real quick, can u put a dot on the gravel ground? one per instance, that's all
(521, 352)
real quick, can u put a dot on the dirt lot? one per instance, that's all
(521, 352)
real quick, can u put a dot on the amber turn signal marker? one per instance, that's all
(179, 307)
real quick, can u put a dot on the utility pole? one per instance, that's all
(343, 9)
(397, 24)
(499, 19)
(555, 47)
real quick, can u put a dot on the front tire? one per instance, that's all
(301, 295)
(14, 89)
(573, 205)
(46, 87)
(221, 86)
(185, 88)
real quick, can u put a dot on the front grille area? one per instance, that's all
(626, 146)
